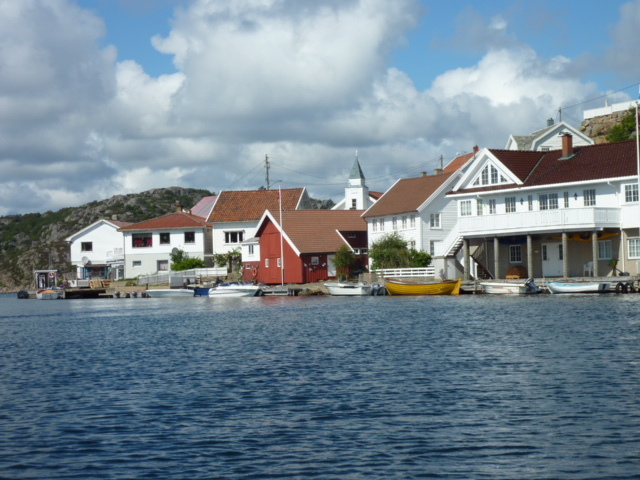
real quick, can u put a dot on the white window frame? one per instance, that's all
(631, 193)
(492, 206)
(589, 197)
(510, 204)
(412, 221)
(465, 208)
(434, 221)
(605, 249)
(515, 253)
(633, 247)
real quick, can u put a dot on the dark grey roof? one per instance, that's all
(356, 171)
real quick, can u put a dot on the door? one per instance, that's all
(552, 257)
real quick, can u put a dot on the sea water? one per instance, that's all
(476, 386)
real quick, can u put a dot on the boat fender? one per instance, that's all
(630, 288)
(254, 272)
(622, 287)
(619, 287)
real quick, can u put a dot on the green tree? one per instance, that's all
(624, 130)
(344, 261)
(391, 251)
(180, 261)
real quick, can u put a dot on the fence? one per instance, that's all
(406, 272)
(184, 276)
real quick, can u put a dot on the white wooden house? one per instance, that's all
(548, 138)
(97, 251)
(560, 213)
(148, 245)
(419, 210)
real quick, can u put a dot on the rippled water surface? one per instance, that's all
(539, 387)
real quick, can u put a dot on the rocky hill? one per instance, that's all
(37, 240)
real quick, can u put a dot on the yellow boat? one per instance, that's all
(396, 286)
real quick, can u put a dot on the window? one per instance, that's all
(412, 221)
(165, 238)
(432, 248)
(189, 237)
(315, 260)
(530, 202)
(479, 207)
(374, 225)
(354, 203)
(279, 262)
(404, 221)
(589, 197)
(631, 193)
(510, 204)
(233, 237)
(163, 265)
(566, 199)
(489, 176)
(394, 223)
(266, 263)
(465, 208)
(494, 175)
(86, 246)
(548, 201)
(435, 220)
(515, 253)
(382, 224)
(412, 244)
(560, 252)
(141, 240)
(251, 249)
(545, 256)
(605, 250)
(136, 263)
(492, 207)
(634, 248)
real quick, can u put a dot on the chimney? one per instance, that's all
(567, 145)
(179, 207)
(550, 122)
(424, 174)
(476, 149)
(437, 171)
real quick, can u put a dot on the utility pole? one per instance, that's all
(266, 165)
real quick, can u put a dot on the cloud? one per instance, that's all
(623, 54)
(306, 81)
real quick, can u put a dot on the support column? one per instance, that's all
(530, 256)
(496, 258)
(565, 255)
(594, 248)
(467, 263)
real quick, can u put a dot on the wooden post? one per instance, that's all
(496, 257)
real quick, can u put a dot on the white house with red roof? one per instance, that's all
(148, 245)
(560, 213)
(236, 213)
(97, 251)
(299, 246)
(421, 213)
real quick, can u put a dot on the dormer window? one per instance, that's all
(489, 176)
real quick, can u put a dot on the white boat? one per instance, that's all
(349, 289)
(169, 292)
(47, 294)
(511, 288)
(579, 287)
(235, 289)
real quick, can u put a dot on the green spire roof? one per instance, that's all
(356, 171)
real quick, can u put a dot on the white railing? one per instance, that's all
(406, 272)
(543, 220)
(164, 278)
(444, 248)
(115, 254)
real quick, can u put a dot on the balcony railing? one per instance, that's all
(115, 254)
(586, 218)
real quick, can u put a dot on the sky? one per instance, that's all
(107, 97)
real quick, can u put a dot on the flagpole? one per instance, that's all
(638, 154)
(281, 236)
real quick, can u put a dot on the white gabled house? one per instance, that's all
(419, 210)
(97, 251)
(148, 245)
(548, 138)
(559, 213)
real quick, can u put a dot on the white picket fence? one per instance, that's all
(406, 272)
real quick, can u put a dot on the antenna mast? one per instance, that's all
(266, 165)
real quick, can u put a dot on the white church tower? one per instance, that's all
(356, 194)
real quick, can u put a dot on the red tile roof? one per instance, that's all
(407, 195)
(168, 222)
(316, 231)
(238, 206)
(204, 206)
(458, 162)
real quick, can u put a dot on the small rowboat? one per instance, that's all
(47, 294)
(396, 286)
(511, 288)
(349, 289)
(579, 287)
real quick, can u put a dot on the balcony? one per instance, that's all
(115, 255)
(565, 219)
